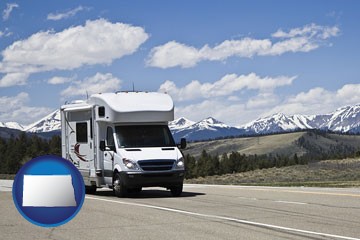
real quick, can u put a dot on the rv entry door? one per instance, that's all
(81, 141)
(109, 155)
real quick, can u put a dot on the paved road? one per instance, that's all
(203, 212)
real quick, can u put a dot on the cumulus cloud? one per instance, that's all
(206, 108)
(173, 54)
(243, 108)
(7, 11)
(12, 79)
(262, 100)
(97, 42)
(96, 84)
(226, 86)
(318, 100)
(65, 15)
(15, 108)
(59, 80)
(303, 39)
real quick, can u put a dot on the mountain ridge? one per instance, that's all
(343, 120)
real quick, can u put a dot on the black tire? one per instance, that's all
(135, 190)
(119, 188)
(176, 191)
(90, 189)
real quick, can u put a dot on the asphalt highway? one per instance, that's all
(203, 212)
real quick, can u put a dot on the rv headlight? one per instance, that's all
(130, 164)
(180, 163)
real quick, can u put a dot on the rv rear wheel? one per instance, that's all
(118, 187)
(176, 191)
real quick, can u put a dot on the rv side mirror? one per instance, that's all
(183, 143)
(102, 145)
(112, 148)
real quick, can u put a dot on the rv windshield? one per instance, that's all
(136, 136)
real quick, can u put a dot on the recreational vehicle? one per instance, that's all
(122, 141)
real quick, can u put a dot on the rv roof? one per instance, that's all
(134, 101)
(76, 106)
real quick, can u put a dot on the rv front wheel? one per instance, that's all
(176, 191)
(118, 187)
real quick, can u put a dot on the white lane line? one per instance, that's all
(225, 218)
(247, 198)
(300, 190)
(6, 185)
(299, 203)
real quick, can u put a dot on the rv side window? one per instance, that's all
(110, 137)
(81, 132)
(101, 111)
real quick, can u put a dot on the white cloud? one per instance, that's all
(262, 100)
(15, 108)
(318, 100)
(8, 103)
(349, 93)
(7, 11)
(214, 108)
(12, 79)
(59, 80)
(96, 84)
(238, 111)
(309, 31)
(173, 54)
(97, 42)
(226, 86)
(65, 15)
(5, 33)
(246, 47)
(303, 39)
(314, 95)
(297, 44)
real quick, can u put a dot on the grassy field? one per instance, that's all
(7, 176)
(283, 144)
(330, 173)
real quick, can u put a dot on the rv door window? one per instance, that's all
(144, 136)
(81, 132)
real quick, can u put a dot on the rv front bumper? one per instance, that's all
(153, 179)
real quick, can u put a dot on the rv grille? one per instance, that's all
(156, 165)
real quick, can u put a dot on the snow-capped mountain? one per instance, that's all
(180, 123)
(278, 123)
(345, 119)
(208, 128)
(49, 123)
(12, 125)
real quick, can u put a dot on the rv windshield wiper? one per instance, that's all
(168, 149)
(133, 149)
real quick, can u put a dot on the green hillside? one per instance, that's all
(286, 144)
(329, 173)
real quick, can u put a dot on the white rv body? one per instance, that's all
(122, 141)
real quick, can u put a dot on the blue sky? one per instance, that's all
(232, 60)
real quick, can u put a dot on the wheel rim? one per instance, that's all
(117, 184)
